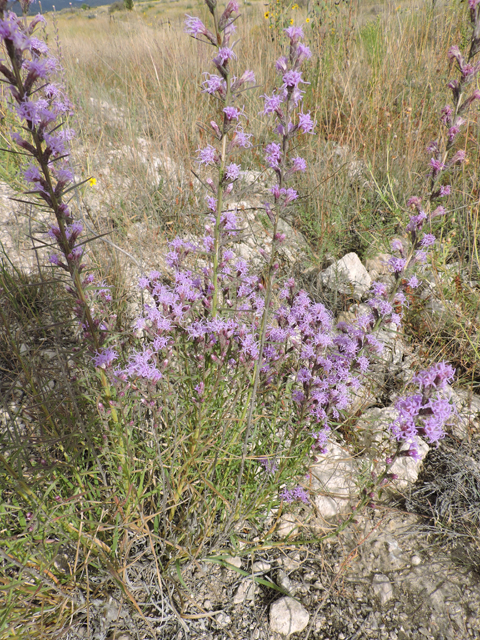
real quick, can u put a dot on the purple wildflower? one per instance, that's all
(305, 122)
(397, 264)
(231, 113)
(299, 164)
(232, 171)
(295, 495)
(427, 240)
(242, 139)
(294, 33)
(396, 245)
(273, 103)
(273, 154)
(105, 357)
(458, 158)
(213, 83)
(437, 165)
(292, 78)
(414, 282)
(207, 155)
(223, 56)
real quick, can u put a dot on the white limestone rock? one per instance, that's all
(348, 276)
(407, 469)
(382, 588)
(467, 415)
(288, 616)
(333, 477)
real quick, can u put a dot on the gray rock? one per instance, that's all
(235, 561)
(223, 620)
(377, 266)
(285, 583)
(382, 588)
(245, 592)
(287, 525)
(288, 616)
(348, 276)
(334, 478)
(467, 415)
(407, 469)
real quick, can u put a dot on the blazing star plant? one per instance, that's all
(41, 108)
(241, 378)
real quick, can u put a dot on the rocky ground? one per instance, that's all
(386, 578)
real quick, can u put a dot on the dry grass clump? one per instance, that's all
(448, 493)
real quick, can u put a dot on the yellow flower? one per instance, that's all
(92, 182)
(307, 20)
(266, 15)
(295, 6)
(291, 20)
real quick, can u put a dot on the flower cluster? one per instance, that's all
(453, 117)
(415, 249)
(244, 339)
(426, 412)
(283, 103)
(298, 494)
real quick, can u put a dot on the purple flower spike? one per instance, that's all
(207, 156)
(242, 139)
(305, 122)
(299, 164)
(233, 171)
(295, 495)
(294, 33)
(223, 56)
(436, 165)
(293, 78)
(231, 113)
(414, 282)
(396, 245)
(397, 264)
(458, 158)
(273, 154)
(214, 83)
(105, 357)
(303, 53)
(428, 240)
(195, 27)
(273, 104)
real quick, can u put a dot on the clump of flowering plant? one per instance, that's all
(41, 107)
(243, 386)
(239, 386)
